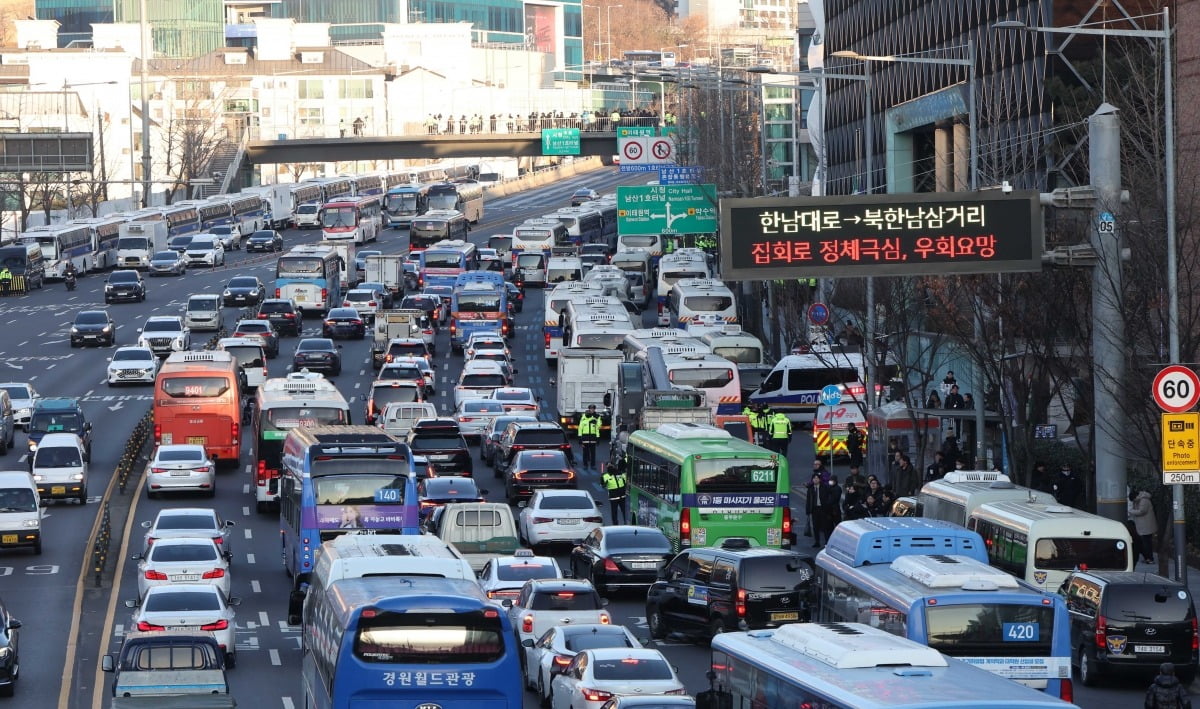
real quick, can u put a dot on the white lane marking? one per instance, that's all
(262, 619)
(245, 511)
(247, 532)
(287, 703)
(248, 467)
(249, 558)
(255, 586)
(274, 657)
(246, 489)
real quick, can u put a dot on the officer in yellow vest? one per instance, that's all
(614, 483)
(751, 414)
(589, 436)
(779, 430)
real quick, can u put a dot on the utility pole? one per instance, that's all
(147, 51)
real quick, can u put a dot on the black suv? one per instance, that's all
(94, 326)
(530, 435)
(8, 658)
(442, 445)
(283, 314)
(703, 592)
(1129, 620)
(124, 285)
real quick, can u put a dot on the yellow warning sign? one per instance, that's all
(1181, 442)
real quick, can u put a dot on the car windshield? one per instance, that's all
(196, 387)
(597, 639)
(181, 601)
(276, 307)
(17, 500)
(131, 355)
(180, 241)
(162, 326)
(183, 552)
(482, 381)
(1161, 602)
(542, 437)
(260, 235)
(482, 406)
(637, 540)
(542, 460)
(243, 283)
(360, 296)
(202, 305)
(343, 313)
(526, 570)
(581, 600)
(185, 521)
(17, 392)
(315, 346)
(501, 395)
(57, 457)
(166, 256)
(181, 455)
(775, 574)
(91, 318)
(123, 277)
(628, 669)
(200, 244)
(55, 422)
(221, 230)
(256, 327)
(381, 396)
(435, 441)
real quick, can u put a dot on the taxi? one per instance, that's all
(504, 576)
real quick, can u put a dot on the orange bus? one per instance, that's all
(197, 399)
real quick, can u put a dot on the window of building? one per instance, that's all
(311, 116)
(356, 88)
(310, 88)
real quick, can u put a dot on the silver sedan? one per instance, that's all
(180, 468)
(473, 416)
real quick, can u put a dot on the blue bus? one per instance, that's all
(105, 232)
(478, 304)
(181, 219)
(954, 603)
(336, 480)
(442, 263)
(851, 666)
(403, 203)
(408, 641)
(310, 275)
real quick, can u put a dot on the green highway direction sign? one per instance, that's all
(667, 209)
(560, 141)
(634, 131)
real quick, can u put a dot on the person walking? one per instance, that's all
(614, 483)
(1145, 522)
(1166, 691)
(779, 428)
(829, 509)
(854, 445)
(589, 436)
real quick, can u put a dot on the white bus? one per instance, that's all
(961, 492)
(649, 242)
(673, 267)
(248, 213)
(592, 322)
(670, 339)
(62, 244)
(716, 376)
(693, 297)
(1044, 543)
(554, 303)
(584, 225)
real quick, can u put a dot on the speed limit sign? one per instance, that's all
(1176, 389)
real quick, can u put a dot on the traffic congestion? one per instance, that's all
(415, 448)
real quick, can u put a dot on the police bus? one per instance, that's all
(672, 267)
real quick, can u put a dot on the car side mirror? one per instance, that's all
(607, 397)
(230, 523)
(13, 624)
(234, 601)
(147, 524)
(136, 557)
(516, 371)
(132, 603)
(108, 663)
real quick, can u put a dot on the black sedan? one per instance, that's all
(344, 322)
(265, 240)
(93, 327)
(621, 556)
(318, 354)
(179, 243)
(244, 290)
(436, 492)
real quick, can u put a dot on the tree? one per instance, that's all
(192, 137)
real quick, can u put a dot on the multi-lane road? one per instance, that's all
(45, 591)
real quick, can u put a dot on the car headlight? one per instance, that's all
(32, 445)
(107, 328)
(77, 476)
(24, 412)
(37, 477)
(108, 286)
(74, 330)
(227, 293)
(31, 523)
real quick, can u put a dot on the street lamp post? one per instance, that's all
(609, 13)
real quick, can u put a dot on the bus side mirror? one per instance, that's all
(108, 664)
(607, 398)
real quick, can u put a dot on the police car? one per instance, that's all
(504, 576)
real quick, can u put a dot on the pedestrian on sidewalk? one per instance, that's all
(1145, 522)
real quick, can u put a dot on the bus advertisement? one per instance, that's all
(403, 203)
(351, 218)
(197, 400)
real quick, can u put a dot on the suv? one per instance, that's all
(165, 334)
(705, 592)
(259, 328)
(205, 250)
(1129, 620)
(124, 285)
(283, 314)
(59, 415)
(94, 326)
(442, 445)
(539, 435)
(545, 603)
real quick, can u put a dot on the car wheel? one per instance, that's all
(37, 547)
(1087, 670)
(543, 698)
(716, 626)
(230, 660)
(74, 344)
(262, 507)
(212, 491)
(82, 496)
(654, 619)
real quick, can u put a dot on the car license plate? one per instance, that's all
(569, 520)
(181, 627)
(197, 440)
(1150, 648)
(180, 473)
(8, 539)
(643, 565)
(185, 577)
(300, 297)
(785, 616)
(58, 489)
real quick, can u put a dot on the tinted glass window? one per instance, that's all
(203, 305)
(67, 422)
(91, 318)
(429, 638)
(163, 326)
(316, 346)
(483, 380)
(247, 356)
(17, 500)
(399, 373)
(435, 442)
(243, 283)
(630, 669)
(185, 522)
(597, 640)
(57, 458)
(183, 552)
(275, 308)
(540, 438)
(181, 601)
(178, 456)
(306, 416)
(525, 572)
(565, 601)
(1065, 554)
(783, 574)
(629, 540)
(382, 396)
(195, 387)
(1150, 602)
(988, 629)
(125, 356)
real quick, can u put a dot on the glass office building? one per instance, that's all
(187, 28)
(75, 17)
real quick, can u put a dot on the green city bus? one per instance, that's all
(700, 485)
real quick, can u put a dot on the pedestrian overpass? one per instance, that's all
(417, 147)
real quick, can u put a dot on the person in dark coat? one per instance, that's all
(954, 400)
(854, 504)
(1066, 487)
(829, 512)
(855, 440)
(1166, 691)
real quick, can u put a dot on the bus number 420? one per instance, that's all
(1021, 632)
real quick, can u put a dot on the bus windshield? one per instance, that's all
(443, 201)
(195, 387)
(701, 378)
(430, 638)
(734, 475)
(1067, 554)
(305, 416)
(303, 265)
(399, 202)
(338, 216)
(442, 260)
(978, 629)
(478, 303)
(361, 489)
(708, 303)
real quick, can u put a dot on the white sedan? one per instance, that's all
(550, 654)
(189, 606)
(518, 400)
(596, 676)
(182, 560)
(132, 365)
(558, 516)
(504, 576)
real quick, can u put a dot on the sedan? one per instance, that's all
(132, 365)
(582, 195)
(182, 560)
(192, 607)
(538, 469)
(22, 395)
(318, 354)
(180, 467)
(344, 322)
(518, 400)
(631, 701)
(259, 328)
(595, 676)
(624, 556)
(473, 416)
(516, 295)
(489, 442)
(244, 290)
(264, 240)
(558, 516)
(368, 302)
(504, 576)
(93, 327)
(229, 235)
(189, 522)
(438, 492)
(550, 654)
(167, 263)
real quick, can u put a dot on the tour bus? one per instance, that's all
(365, 185)
(335, 187)
(851, 666)
(106, 231)
(690, 298)
(594, 322)
(1043, 543)
(638, 262)
(584, 225)
(303, 193)
(62, 244)
(672, 267)
(436, 225)
(311, 276)
(669, 339)
(351, 218)
(216, 211)
(961, 492)
(536, 236)
(650, 242)
(465, 197)
(700, 486)
(477, 305)
(794, 386)
(608, 220)
(339, 480)
(716, 376)
(301, 399)
(197, 400)
(441, 263)
(249, 212)
(181, 219)
(404, 203)
(406, 641)
(554, 303)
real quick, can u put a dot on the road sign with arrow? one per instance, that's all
(667, 209)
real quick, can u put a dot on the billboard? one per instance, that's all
(541, 29)
(880, 235)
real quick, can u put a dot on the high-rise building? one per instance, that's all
(76, 17)
(186, 28)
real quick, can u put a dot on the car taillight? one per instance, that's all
(214, 574)
(219, 625)
(263, 316)
(610, 565)
(155, 576)
(504, 327)
(218, 540)
(1195, 636)
(741, 603)
(388, 358)
(597, 519)
(357, 322)
(150, 541)
(595, 695)
(685, 527)
(527, 624)
(561, 660)
(158, 470)
(330, 323)
(277, 293)
(542, 520)
(787, 521)
(345, 304)
(1102, 633)
(547, 339)
(289, 316)
(324, 294)
(453, 328)
(684, 691)
(605, 619)
(261, 477)
(144, 626)
(1066, 691)
(660, 307)
(371, 303)
(158, 433)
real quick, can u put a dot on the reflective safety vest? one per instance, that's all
(613, 481)
(589, 425)
(780, 426)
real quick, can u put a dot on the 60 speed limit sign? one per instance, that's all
(1176, 389)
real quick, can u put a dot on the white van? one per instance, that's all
(20, 511)
(203, 312)
(481, 531)
(60, 468)
(250, 354)
(398, 417)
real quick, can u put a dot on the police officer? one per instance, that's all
(614, 484)
(589, 436)
(751, 415)
(779, 430)
(6, 278)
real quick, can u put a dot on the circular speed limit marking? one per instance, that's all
(633, 150)
(1176, 389)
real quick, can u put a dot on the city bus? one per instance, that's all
(554, 304)
(198, 400)
(465, 197)
(181, 219)
(105, 233)
(700, 485)
(311, 276)
(436, 225)
(679, 264)
(851, 666)
(407, 641)
(1043, 543)
(441, 263)
(712, 374)
(477, 305)
(301, 399)
(351, 218)
(62, 244)
(584, 225)
(338, 480)
(403, 203)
